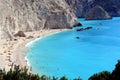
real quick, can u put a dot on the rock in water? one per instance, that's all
(77, 37)
(97, 13)
(32, 15)
(78, 24)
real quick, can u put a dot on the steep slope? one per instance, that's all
(81, 7)
(32, 15)
(97, 13)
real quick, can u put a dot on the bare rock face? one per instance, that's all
(111, 6)
(81, 7)
(97, 13)
(20, 34)
(32, 15)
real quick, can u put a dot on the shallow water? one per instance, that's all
(62, 54)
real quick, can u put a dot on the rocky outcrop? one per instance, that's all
(81, 7)
(77, 24)
(78, 7)
(111, 6)
(32, 15)
(20, 34)
(97, 13)
(82, 29)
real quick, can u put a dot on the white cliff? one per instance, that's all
(34, 15)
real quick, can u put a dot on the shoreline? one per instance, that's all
(14, 52)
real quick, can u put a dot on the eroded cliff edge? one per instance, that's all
(32, 15)
(82, 7)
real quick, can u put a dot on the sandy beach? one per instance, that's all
(14, 51)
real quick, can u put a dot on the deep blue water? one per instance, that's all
(62, 54)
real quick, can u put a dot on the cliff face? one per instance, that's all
(97, 13)
(32, 15)
(79, 7)
(82, 7)
(111, 6)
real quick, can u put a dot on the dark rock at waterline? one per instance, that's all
(77, 37)
(87, 28)
(78, 24)
(81, 29)
(97, 13)
(20, 34)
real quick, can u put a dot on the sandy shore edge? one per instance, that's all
(14, 52)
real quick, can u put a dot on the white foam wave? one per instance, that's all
(27, 61)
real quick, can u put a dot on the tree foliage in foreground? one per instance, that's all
(105, 75)
(115, 75)
(17, 73)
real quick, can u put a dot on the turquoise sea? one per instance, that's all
(62, 54)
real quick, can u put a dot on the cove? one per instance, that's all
(62, 54)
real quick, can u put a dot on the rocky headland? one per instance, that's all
(83, 8)
(97, 13)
